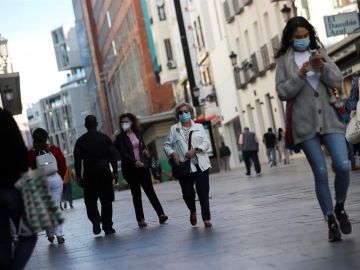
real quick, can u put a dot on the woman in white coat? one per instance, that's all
(176, 148)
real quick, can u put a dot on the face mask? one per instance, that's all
(126, 126)
(301, 44)
(185, 117)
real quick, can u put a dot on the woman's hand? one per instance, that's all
(304, 68)
(139, 164)
(146, 153)
(175, 157)
(190, 153)
(317, 62)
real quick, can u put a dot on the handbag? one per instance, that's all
(184, 167)
(353, 129)
(47, 162)
(289, 140)
(40, 211)
(154, 168)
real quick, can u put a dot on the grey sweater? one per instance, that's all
(312, 111)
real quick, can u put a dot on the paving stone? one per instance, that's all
(268, 222)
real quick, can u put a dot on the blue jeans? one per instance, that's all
(271, 155)
(11, 207)
(336, 145)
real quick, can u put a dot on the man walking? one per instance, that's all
(95, 150)
(250, 146)
(270, 141)
(225, 154)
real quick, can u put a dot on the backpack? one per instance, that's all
(47, 162)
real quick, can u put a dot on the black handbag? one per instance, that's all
(184, 168)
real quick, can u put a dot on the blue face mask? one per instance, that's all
(301, 44)
(185, 117)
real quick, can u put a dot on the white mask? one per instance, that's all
(126, 126)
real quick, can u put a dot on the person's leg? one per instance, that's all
(69, 194)
(135, 188)
(228, 163)
(56, 194)
(5, 235)
(351, 155)
(145, 182)
(90, 198)
(336, 145)
(316, 159)
(246, 156)
(255, 158)
(202, 189)
(106, 196)
(188, 191)
(273, 155)
(11, 206)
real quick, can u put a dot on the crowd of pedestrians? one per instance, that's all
(305, 79)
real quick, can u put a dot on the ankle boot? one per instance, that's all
(334, 233)
(343, 218)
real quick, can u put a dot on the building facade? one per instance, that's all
(122, 60)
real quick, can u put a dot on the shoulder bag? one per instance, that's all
(184, 168)
(353, 129)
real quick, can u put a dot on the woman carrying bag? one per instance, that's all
(54, 180)
(135, 167)
(186, 146)
(305, 77)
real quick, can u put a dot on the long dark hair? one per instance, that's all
(135, 122)
(40, 138)
(290, 27)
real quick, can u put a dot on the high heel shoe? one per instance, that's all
(142, 224)
(163, 218)
(207, 224)
(193, 220)
(60, 239)
(51, 239)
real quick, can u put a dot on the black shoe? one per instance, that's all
(96, 227)
(71, 206)
(163, 218)
(109, 231)
(343, 218)
(334, 232)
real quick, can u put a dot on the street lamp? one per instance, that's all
(196, 92)
(233, 58)
(9, 94)
(286, 11)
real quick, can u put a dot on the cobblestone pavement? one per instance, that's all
(268, 222)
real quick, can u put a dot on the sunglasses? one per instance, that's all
(181, 112)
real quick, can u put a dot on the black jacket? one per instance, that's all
(13, 153)
(96, 150)
(125, 148)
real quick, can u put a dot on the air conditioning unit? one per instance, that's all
(171, 64)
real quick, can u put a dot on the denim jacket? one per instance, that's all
(177, 143)
(353, 97)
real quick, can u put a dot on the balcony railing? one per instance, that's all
(256, 65)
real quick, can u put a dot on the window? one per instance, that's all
(199, 33)
(168, 49)
(338, 3)
(161, 12)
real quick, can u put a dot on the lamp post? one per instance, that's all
(233, 58)
(186, 51)
(286, 10)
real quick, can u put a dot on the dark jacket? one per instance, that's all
(225, 151)
(125, 148)
(13, 157)
(96, 150)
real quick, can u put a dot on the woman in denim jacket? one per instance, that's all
(305, 76)
(176, 147)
